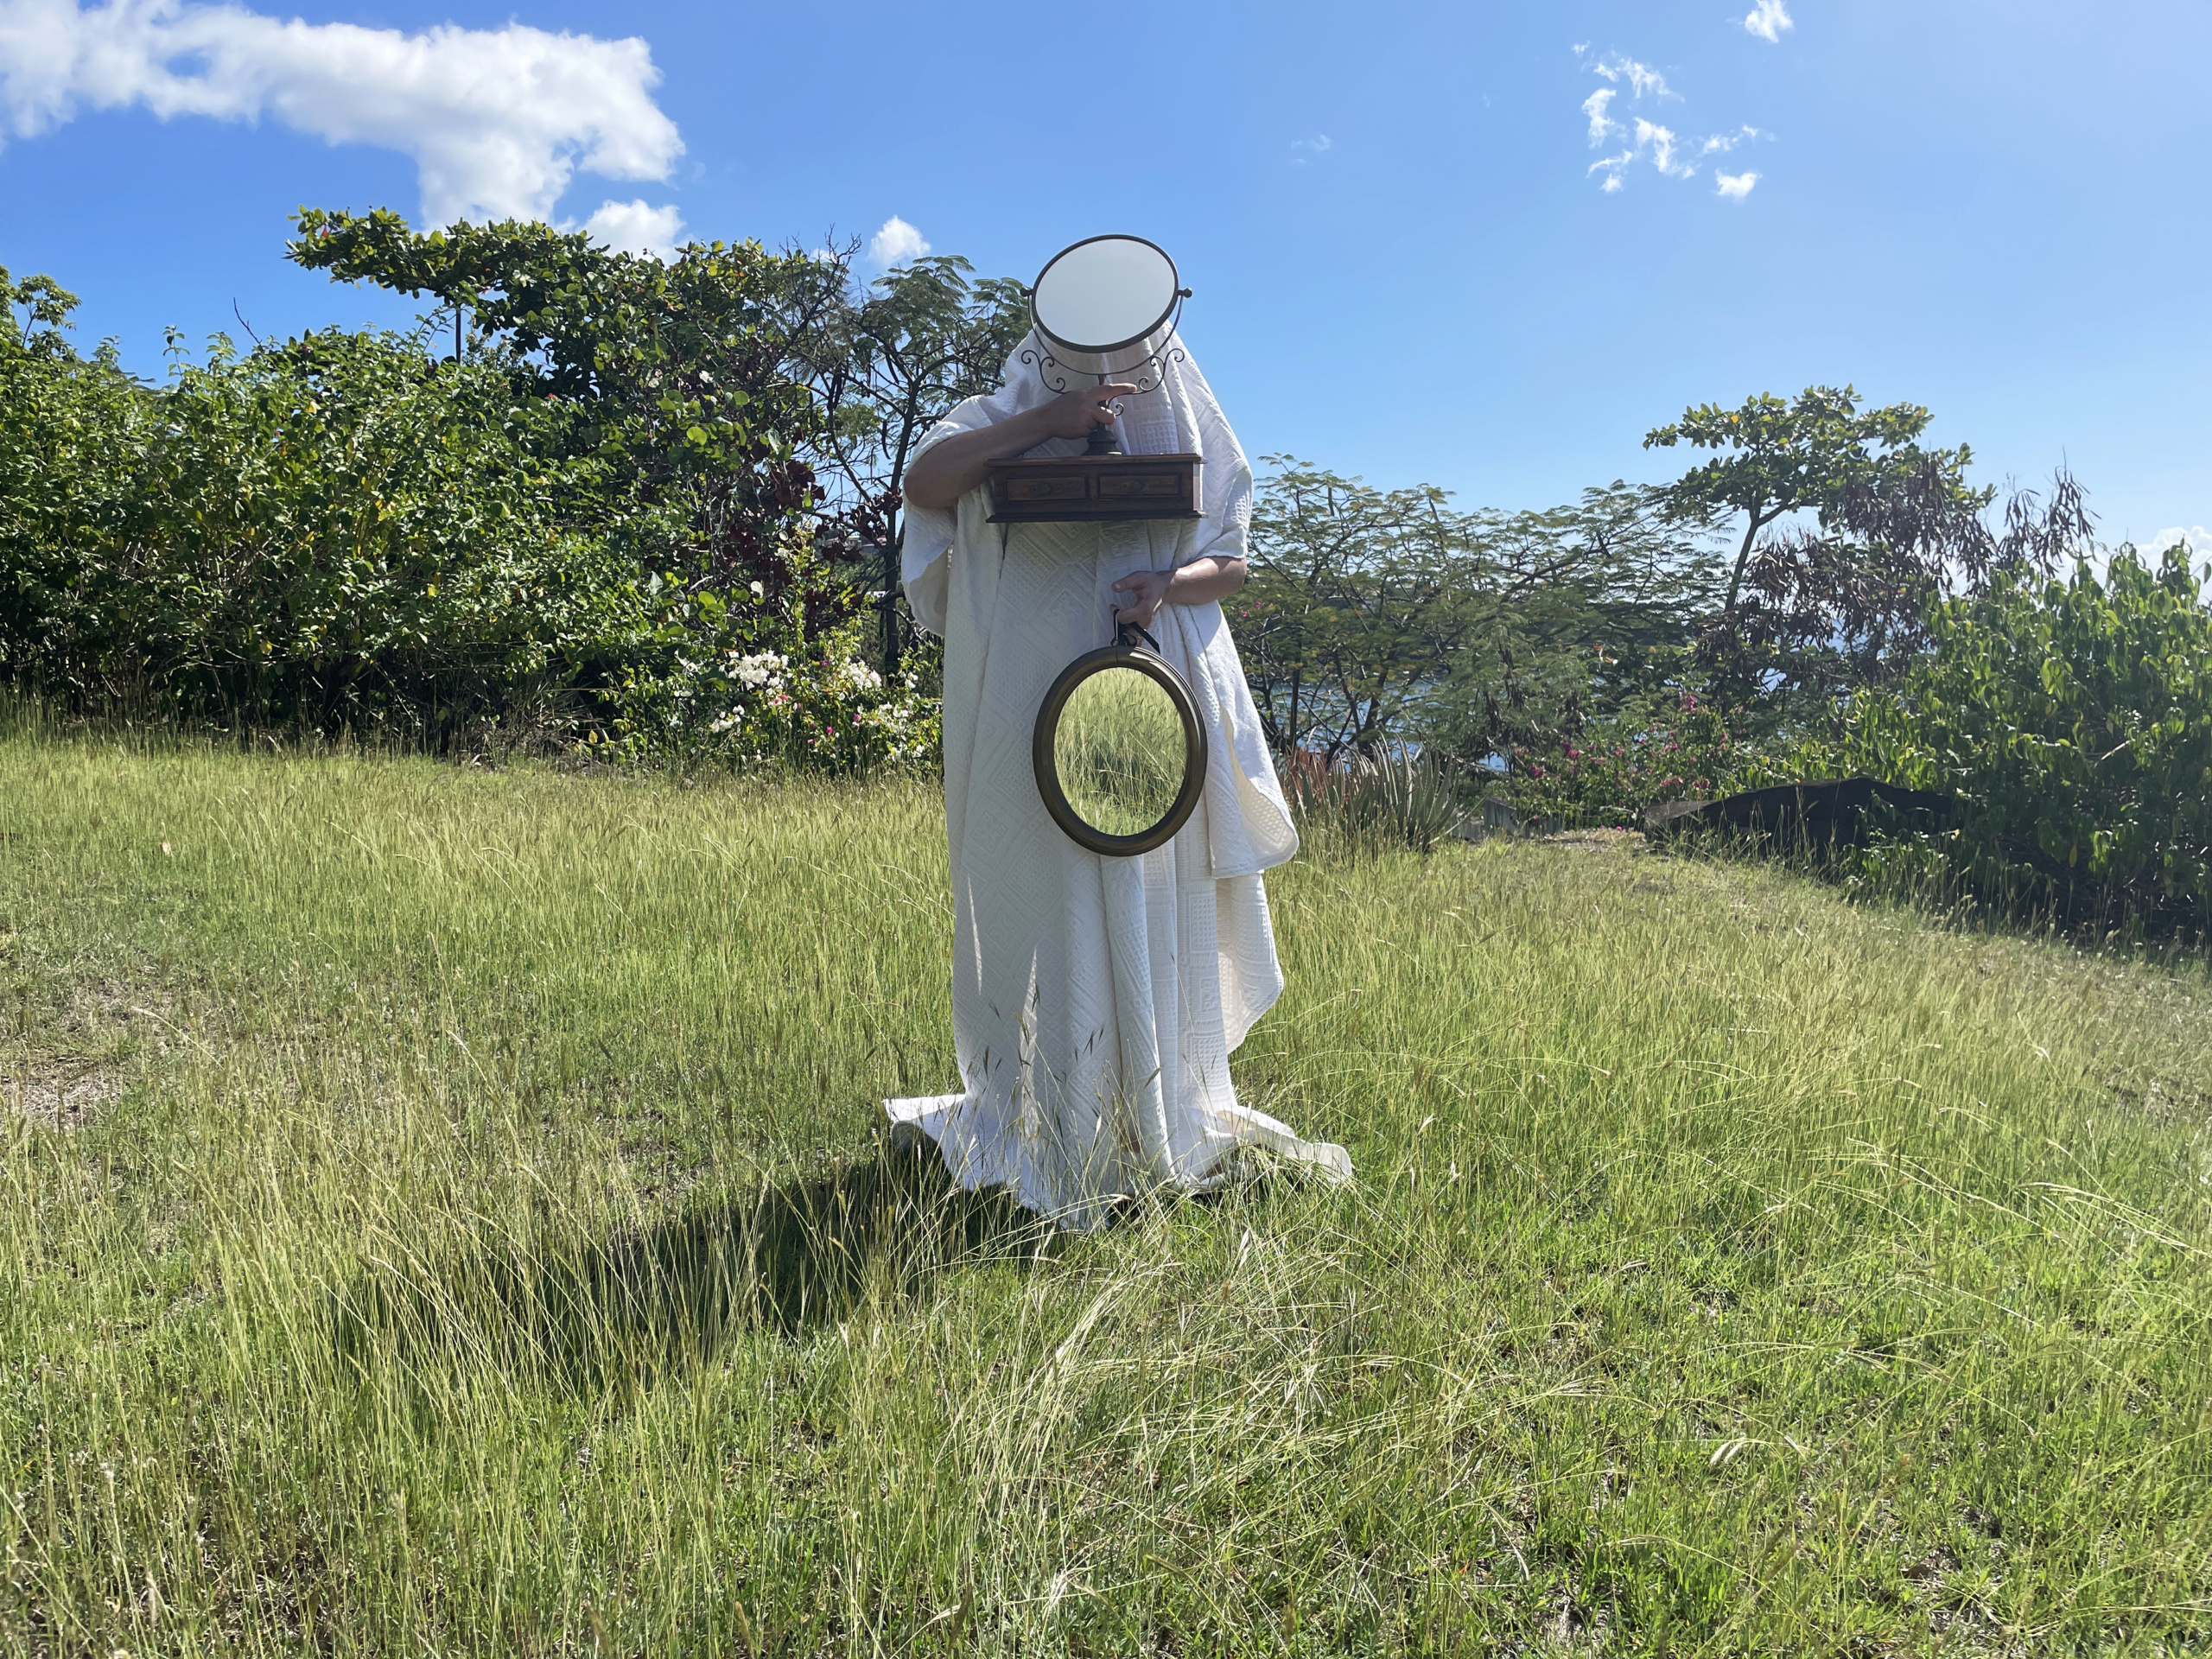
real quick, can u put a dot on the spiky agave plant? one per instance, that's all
(1379, 802)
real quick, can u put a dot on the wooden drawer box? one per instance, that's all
(1081, 488)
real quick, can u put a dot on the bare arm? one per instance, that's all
(1195, 584)
(947, 469)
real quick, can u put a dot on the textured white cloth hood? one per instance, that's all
(1248, 824)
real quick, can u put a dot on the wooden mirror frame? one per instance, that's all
(1077, 828)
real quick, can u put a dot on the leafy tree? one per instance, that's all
(888, 363)
(1352, 605)
(1790, 457)
(1374, 618)
(1895, 525)
(46, 306)
(680, 373)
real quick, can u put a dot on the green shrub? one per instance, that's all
(2073, 720)
(341, 533)
(334, 531)
(1607, 776)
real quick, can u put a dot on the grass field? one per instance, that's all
(441, 1213)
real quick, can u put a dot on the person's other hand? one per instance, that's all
(1146, 592)
(1072, 413)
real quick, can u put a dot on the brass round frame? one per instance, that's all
(1048, 772)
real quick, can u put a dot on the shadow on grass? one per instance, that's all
(590, 1316)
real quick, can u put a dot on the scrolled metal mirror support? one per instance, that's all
(1146, 373)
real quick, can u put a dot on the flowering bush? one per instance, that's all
(758, 678)
(1615, 769)
(826, 711)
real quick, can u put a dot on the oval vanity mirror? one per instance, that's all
(1104, 293)
(1120, 753)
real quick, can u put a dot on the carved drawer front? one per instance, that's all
(1074, 489)
(1140, 484)
(1045, 489)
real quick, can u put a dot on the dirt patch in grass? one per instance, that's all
(58, 1099)
(69, 1069)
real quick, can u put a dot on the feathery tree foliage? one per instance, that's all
(1374, 618)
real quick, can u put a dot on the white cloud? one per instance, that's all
(1736, 186)
(498, 120)
(2198, 539)
(1641, 77)
(1769, 20)
(1670, 156)
(1316, 145)
(1658, 143)
(638, 227)
(896, 244)
(1721, 142)
(1602, 126)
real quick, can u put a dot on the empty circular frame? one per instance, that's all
(1104, 293)
(1120, 753)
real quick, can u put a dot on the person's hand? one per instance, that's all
(1146, 592)
(1072, 413)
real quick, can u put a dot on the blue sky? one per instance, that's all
(1407, 261)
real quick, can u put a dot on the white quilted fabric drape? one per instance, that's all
(1096, 1001)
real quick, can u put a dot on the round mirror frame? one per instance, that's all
(1077, 829)
(1174, 294)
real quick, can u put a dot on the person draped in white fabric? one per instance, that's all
(1096, 999)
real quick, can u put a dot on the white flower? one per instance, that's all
(763, 669)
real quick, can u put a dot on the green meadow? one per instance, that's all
(442, 1212)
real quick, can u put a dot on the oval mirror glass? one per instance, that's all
(1119, 751)
(1102, 295)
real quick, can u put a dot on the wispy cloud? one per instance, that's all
(1641, 77)
(1768, 20)
(1658, 143)
(1303, 151)
(896, 244)
(1645, 140)
(498, 121)
(1602, 126)
(1721, 142)
(1735, 186)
